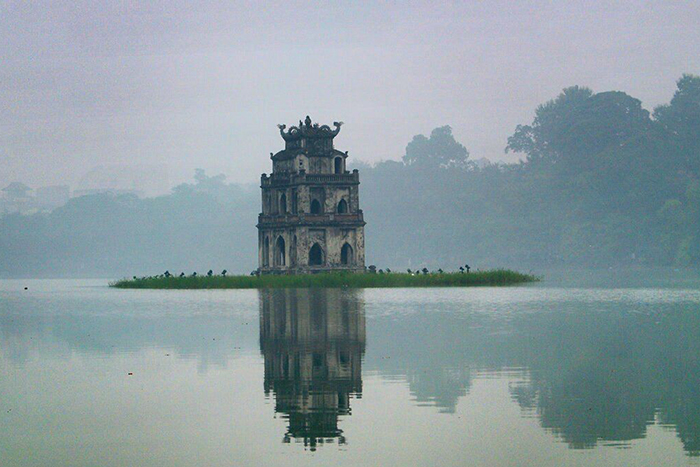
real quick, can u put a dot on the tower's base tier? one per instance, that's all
(296, 248)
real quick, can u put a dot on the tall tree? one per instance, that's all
(574, 128)
(681, 117)
(539, 139)
(440, 150)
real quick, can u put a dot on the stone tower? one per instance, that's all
(311, 219)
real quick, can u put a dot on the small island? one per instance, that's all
(311, 230)
(495, 277)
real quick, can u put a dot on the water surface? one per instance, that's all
(586, 368)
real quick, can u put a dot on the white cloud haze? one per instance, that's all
(180, 85)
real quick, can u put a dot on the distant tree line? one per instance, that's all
(204, 225)
(602, 183)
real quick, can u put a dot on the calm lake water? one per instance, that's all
(589, 369)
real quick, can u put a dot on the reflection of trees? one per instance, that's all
(607, 376)
(594, 372)
(313, 342)
(211, 339)
(588, 377)
(428, 351)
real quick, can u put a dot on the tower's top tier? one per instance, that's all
(309, 135)
(309, 148)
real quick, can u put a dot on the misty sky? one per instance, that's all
(176, 85)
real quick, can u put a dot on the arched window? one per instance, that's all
(280, 252)
(316, 255)
(342, 207)
(338, 165)
(293, 252)
(283, 204)
(315, 207)
(266, 252)
(346, 255)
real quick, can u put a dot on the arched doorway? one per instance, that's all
(316, 255)
(280, 252)
(338, 165)
(266, 252)
(283, 204)
(342, 207)
(315, 207)
(346, 256)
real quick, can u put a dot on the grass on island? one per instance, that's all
(494, 277)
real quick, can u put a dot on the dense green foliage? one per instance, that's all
(329, 280)
(204, 225)
(439, 150)
(602, 183)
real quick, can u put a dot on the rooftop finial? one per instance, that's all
(308, 129)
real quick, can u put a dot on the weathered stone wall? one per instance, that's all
(336, 238)
(334, 196)
(318, 193)
(283, 166)
(330, 239)
(301, 163)
(312, 165)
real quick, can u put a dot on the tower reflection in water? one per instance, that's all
(313, 343)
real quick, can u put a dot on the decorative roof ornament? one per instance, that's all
(307, 129)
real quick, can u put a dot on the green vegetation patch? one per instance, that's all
(494, 277)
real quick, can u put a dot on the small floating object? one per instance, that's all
(26, 288)
(131, 374)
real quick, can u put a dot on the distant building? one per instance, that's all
(311, 219)
(52, 197)
(16, 191)
(16, 197)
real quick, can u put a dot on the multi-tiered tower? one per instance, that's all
(311, 219)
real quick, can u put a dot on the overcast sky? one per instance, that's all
(176, 85)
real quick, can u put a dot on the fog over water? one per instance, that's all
(173, 86)
(594, 368)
